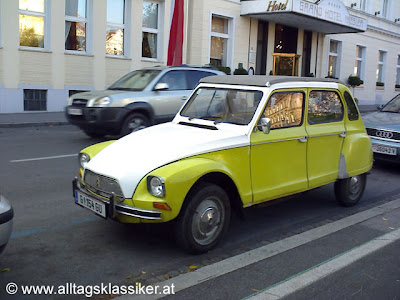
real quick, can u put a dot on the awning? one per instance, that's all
(326, 16)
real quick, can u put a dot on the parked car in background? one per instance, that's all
(383, 127)
(139, 99)
(238, 141)
(6, 222)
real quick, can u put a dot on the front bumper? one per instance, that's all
(114, 207)
(386, 143)
(99, 119)
(6, 222)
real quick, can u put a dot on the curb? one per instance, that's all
(32, 124)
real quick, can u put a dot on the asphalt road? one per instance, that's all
(55, 242)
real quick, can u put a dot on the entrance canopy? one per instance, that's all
(326, 16)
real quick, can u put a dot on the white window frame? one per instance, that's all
(126, 28)
(361, 59)
(338, 56)
(88, 26)
(159, 31)
(46, 29)
(383, 64)
(229, 36)
(398, 70)
(386, 9)
(363, 5)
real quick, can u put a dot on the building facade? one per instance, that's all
(50, 49)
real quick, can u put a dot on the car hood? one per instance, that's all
(130, 158)
(382, 120)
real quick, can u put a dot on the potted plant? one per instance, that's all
(354, 81)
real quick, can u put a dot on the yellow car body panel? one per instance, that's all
(181, 176)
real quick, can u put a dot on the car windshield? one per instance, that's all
(223, 105)
(393, 105)
(135, 81)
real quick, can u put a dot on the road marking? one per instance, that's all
(324, 269)
(234, 263)
(43, 158)
(39, 230)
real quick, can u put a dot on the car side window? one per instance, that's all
(324, 107)
(351, 107)
(285, 109)
(193, 77)
(176, 80)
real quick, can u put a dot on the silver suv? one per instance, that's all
(139, 99)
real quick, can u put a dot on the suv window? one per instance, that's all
(351, 107)
(135, 81)
(194, 77)
(176, 80)
(285, 109)
(324, 107)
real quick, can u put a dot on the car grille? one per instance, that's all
(383, 134)
(102, 185)
(79, 102)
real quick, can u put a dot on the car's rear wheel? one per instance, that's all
(204, 219)
(134, 122)
(350, 190)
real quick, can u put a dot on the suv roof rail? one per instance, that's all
(197, 66)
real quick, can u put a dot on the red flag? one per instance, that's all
(176, 34)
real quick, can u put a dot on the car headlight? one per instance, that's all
(101, 102)
(83, 160)
(69, 101)
(156, 186)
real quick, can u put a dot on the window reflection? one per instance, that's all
(32, 5)
(285, 109)
(31, 31)
(75, 36)
(150, 29)
(324, 106)
(115, 41)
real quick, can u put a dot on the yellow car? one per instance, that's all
(236, 142)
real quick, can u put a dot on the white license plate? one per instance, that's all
(384, 149)
(94, 205)
(75, 111)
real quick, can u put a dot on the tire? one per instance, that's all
(93, 134)
(134, 122)
(204, 219)
(350, 190)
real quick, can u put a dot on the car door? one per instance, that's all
(326, 132)
(278, 158)
(166, 103)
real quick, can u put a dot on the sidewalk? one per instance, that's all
(58, 118)
(32, 119)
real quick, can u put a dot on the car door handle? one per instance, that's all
(303, 139)
(184, 98)
(342, 134)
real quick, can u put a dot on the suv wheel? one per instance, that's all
(204, 220)
(350, 190)
(134, 122)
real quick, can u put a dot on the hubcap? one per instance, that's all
(207, 220)
(355, 186)
(136, 124)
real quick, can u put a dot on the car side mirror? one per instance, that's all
(161, 86)
(264, 125)
(380, 106)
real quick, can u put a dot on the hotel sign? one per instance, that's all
(333, 11)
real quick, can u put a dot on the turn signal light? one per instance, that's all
(80, 173)
(161, 205)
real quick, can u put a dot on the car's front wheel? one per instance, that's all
(350, 190)
(134, 122)
(204, 219)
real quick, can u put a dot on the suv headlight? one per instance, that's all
(156, 186)
(69, 101)
(83, 160)
(101, 102)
